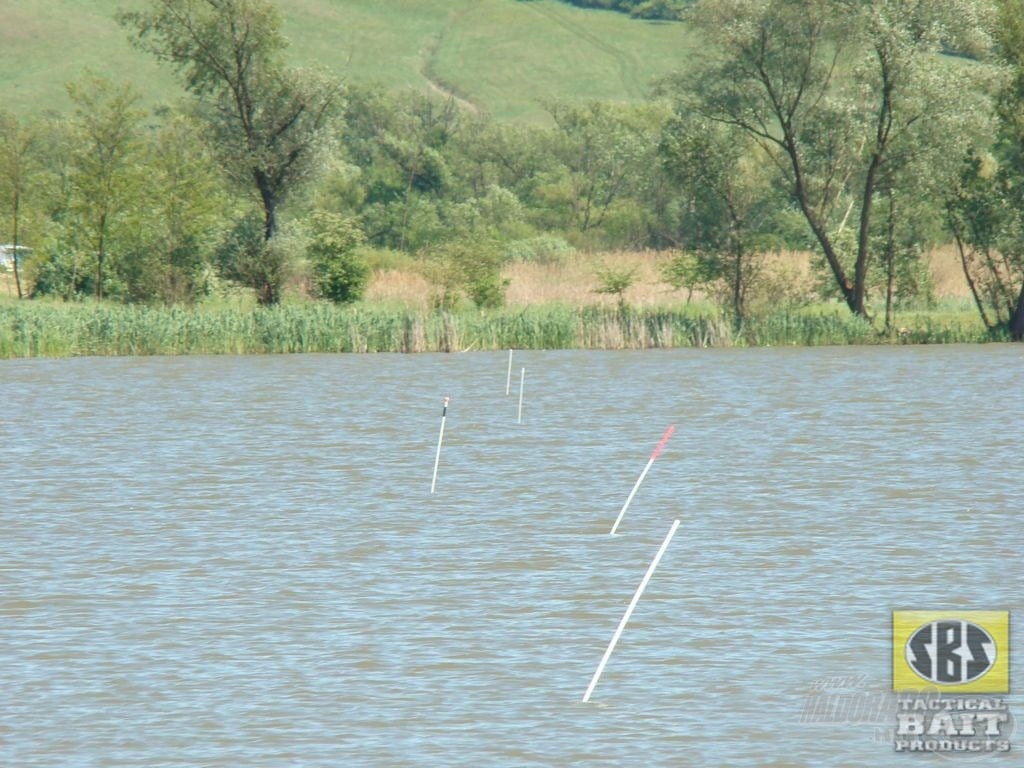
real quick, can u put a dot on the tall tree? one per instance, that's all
(831, 89)
(606, 154)
(186, 210)
(985, 205)
(105, 160)
(1007, 209)
(985, 226)
(730, 194)
(17, 164)
(271, 123)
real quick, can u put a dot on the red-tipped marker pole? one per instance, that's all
(654, 455)
(440, 437)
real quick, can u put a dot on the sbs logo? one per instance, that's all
(954, 651)
(951, 652)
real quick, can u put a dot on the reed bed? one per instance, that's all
(33, 329)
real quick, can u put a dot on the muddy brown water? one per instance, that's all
(236, 561)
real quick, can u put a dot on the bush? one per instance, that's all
(616, 282)
(471, 266)
(339, 272)
(246, 257)
(543, 249)
(692, 271)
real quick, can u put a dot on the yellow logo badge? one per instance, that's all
(951, 651)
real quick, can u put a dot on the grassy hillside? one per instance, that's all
(502, 56)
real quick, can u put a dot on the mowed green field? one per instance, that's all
(504, 57)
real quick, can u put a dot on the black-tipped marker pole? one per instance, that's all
(440, 437)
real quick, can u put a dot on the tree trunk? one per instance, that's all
(100, 255)
(860, 270)
(1016, 324)
(267, 294)
(890, 265)
(269, 200)
(800, 192)
(961, 248)
(737, 288)
(17, 274)
(267, 288)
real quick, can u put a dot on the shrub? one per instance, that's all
(471, 266)
(543, 249)
(339, 272)
(246, 257)
(616, 282)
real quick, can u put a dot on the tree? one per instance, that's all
(104, 168)
(730, 195)
(606, 155)
(339, 273)
(616, 282)
(400, 144)
(986, 207)
(469, 264)
(185, 209)
(271, 124)
(984, 215)
(18, 163)
(831, 91)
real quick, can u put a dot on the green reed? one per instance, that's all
(38, 329)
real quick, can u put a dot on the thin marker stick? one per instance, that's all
(508, 379)
(522, 380)
(440, 437)
(654, 455)
(629, 611)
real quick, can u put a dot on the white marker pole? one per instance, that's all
(508, 379)
(522, 380)
(654, 455)
(440, 437)
(629, 611)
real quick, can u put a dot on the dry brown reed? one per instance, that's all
(574, 281)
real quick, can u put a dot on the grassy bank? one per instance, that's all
(498, 56)
(34, 329)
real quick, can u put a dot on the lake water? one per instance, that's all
(237, 561)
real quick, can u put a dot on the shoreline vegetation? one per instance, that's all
(483, 194)
(556, 307)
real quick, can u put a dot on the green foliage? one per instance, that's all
(430, 174)
(400, 146)
(63, 272)
(339, 273)
(850, 120)
(542, 249)
(247, 257)
(19, 171)
(731, 204)
(271, 124)
(44, 329)
(185, 205)
(381, 259)
(692, 270)
(615, 282)
(606, 153)
(986, 218)
(470, 267)
(105, 171)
